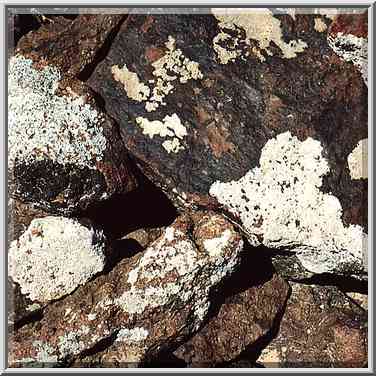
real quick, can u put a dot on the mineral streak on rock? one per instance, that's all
(358, 161)
(259, 25)
(149, 302)
(54, 256)
(280, 205)
(43, 125)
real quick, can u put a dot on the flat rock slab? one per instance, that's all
(199, 98)
(70, 45)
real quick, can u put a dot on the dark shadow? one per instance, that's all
(145, 207)
(344, 283)
(165, 360)
(27, 319)
(255, 268)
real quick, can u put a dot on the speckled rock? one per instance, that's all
(54, 256)
(320, 328)
(19, 218)
(64, 152)
(242, 319)
(70, 45)
(150, 302)
(219, 140)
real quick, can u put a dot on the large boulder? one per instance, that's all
(257, 124)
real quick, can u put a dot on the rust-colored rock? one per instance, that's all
(242, 319)
(320, 328)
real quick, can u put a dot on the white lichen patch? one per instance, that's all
(135, 89)
(259, 25)
(73, 343)
(91, 316)
(42, 125)
(358, 160)
(216, 246)
(174, 65)
(280, 205)
(352, 49)
(132, 335)
(173, 270)
(320, 26)
(45, 353)
(170, 126)
(229, 53)
(54, 256)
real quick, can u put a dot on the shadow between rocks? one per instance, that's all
(145, 207)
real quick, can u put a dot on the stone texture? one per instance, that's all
(64, 152)
(70, 45)
(316, 331)
(228, 114)
(242, 320)
(151, 302)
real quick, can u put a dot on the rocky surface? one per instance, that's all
(220, 130)
(316, 331)
(64, 152)
(149, 301)
(242, 319)
(171, 175)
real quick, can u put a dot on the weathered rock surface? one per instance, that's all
(236, 134)
(242, 320)
(70, 45)
(150, 302)
(64, 152)
(320, 328)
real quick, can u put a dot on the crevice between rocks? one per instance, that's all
(88, 70)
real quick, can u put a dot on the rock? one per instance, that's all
(348, 37)
(316, 331)
(54, 256)
(20, 307)
(238, 136)
(242, 320)
(64, 152)
(70, 45)
(150, 302)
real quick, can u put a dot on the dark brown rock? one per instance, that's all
(316, 331)
(242, 320)
(231, 112)
(70, 45)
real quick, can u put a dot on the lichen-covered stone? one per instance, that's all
(242, 319)
(54, 256)
(280, 205)
(321, 327)
(236, 109)
(165, 290)
(64, 153)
